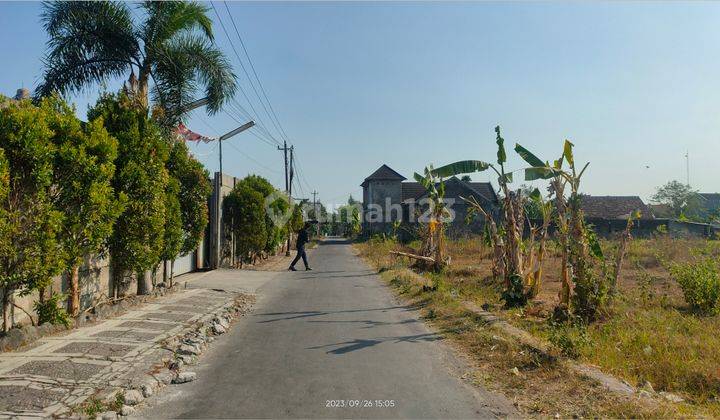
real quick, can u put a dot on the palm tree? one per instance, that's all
(91, 42)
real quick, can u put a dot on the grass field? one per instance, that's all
(647, 336)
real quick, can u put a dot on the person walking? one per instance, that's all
(302, 239)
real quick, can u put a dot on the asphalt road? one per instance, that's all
(332, 343)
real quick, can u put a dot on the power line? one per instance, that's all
(261, 129)
(253, 159)
(232, 45)
(301, 174)
(299, 184)
(263, 139)
(281, 130)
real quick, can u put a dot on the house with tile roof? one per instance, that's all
(614, 207)
(388, 197)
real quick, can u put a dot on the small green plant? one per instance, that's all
(119, 401)
(395, 228)
(51, 311)
(92, 407)
(569, 337)
(700, 283)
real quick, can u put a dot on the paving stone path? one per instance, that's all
(131, 351)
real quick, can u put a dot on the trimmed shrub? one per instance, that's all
(244, 209)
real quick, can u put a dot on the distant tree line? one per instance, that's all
(682, 202)
(254, 214)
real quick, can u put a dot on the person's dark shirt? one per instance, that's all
(302, 238)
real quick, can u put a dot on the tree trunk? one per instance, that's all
(6, 310)
(144, 282)
(143, 87)
(165, 273)
(74, 296)
(172, 272)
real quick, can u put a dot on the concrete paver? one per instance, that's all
(58, 372)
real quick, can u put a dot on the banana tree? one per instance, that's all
(534, 262)
(583, 287)
(433, 244)
(554, 173)
(508, 241)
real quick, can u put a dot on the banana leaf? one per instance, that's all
(501, 156)
(536, 196)
(531, 174)
(528, 157)
(568, 153)
(421, 179)
(540, 169)
(594, 244)
(461, 167)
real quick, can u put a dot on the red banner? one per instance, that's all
(187, 135)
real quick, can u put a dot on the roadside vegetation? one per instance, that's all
(250, 228)
(72, 191)
(643, 310)
(121, 185)
(648, 335)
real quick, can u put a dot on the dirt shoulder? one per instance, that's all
(539, 384)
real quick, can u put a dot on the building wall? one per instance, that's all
(379, 192)
(221, 240)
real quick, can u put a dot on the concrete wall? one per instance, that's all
(647, 228)
(220, 242)
(380, 192)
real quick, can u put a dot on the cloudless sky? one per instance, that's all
(356, 85)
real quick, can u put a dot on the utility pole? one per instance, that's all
(288, 183)
(687, 167)
(285, 150)
(315, 212)
(292, 174)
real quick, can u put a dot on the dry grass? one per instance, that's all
(648, 333)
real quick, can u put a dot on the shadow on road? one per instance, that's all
(359, 344)
(369, 323)
(305, 314)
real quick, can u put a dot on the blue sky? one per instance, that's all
(355, 85)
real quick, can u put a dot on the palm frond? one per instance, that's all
(187, 63)
(89, 42)
(167, 19)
